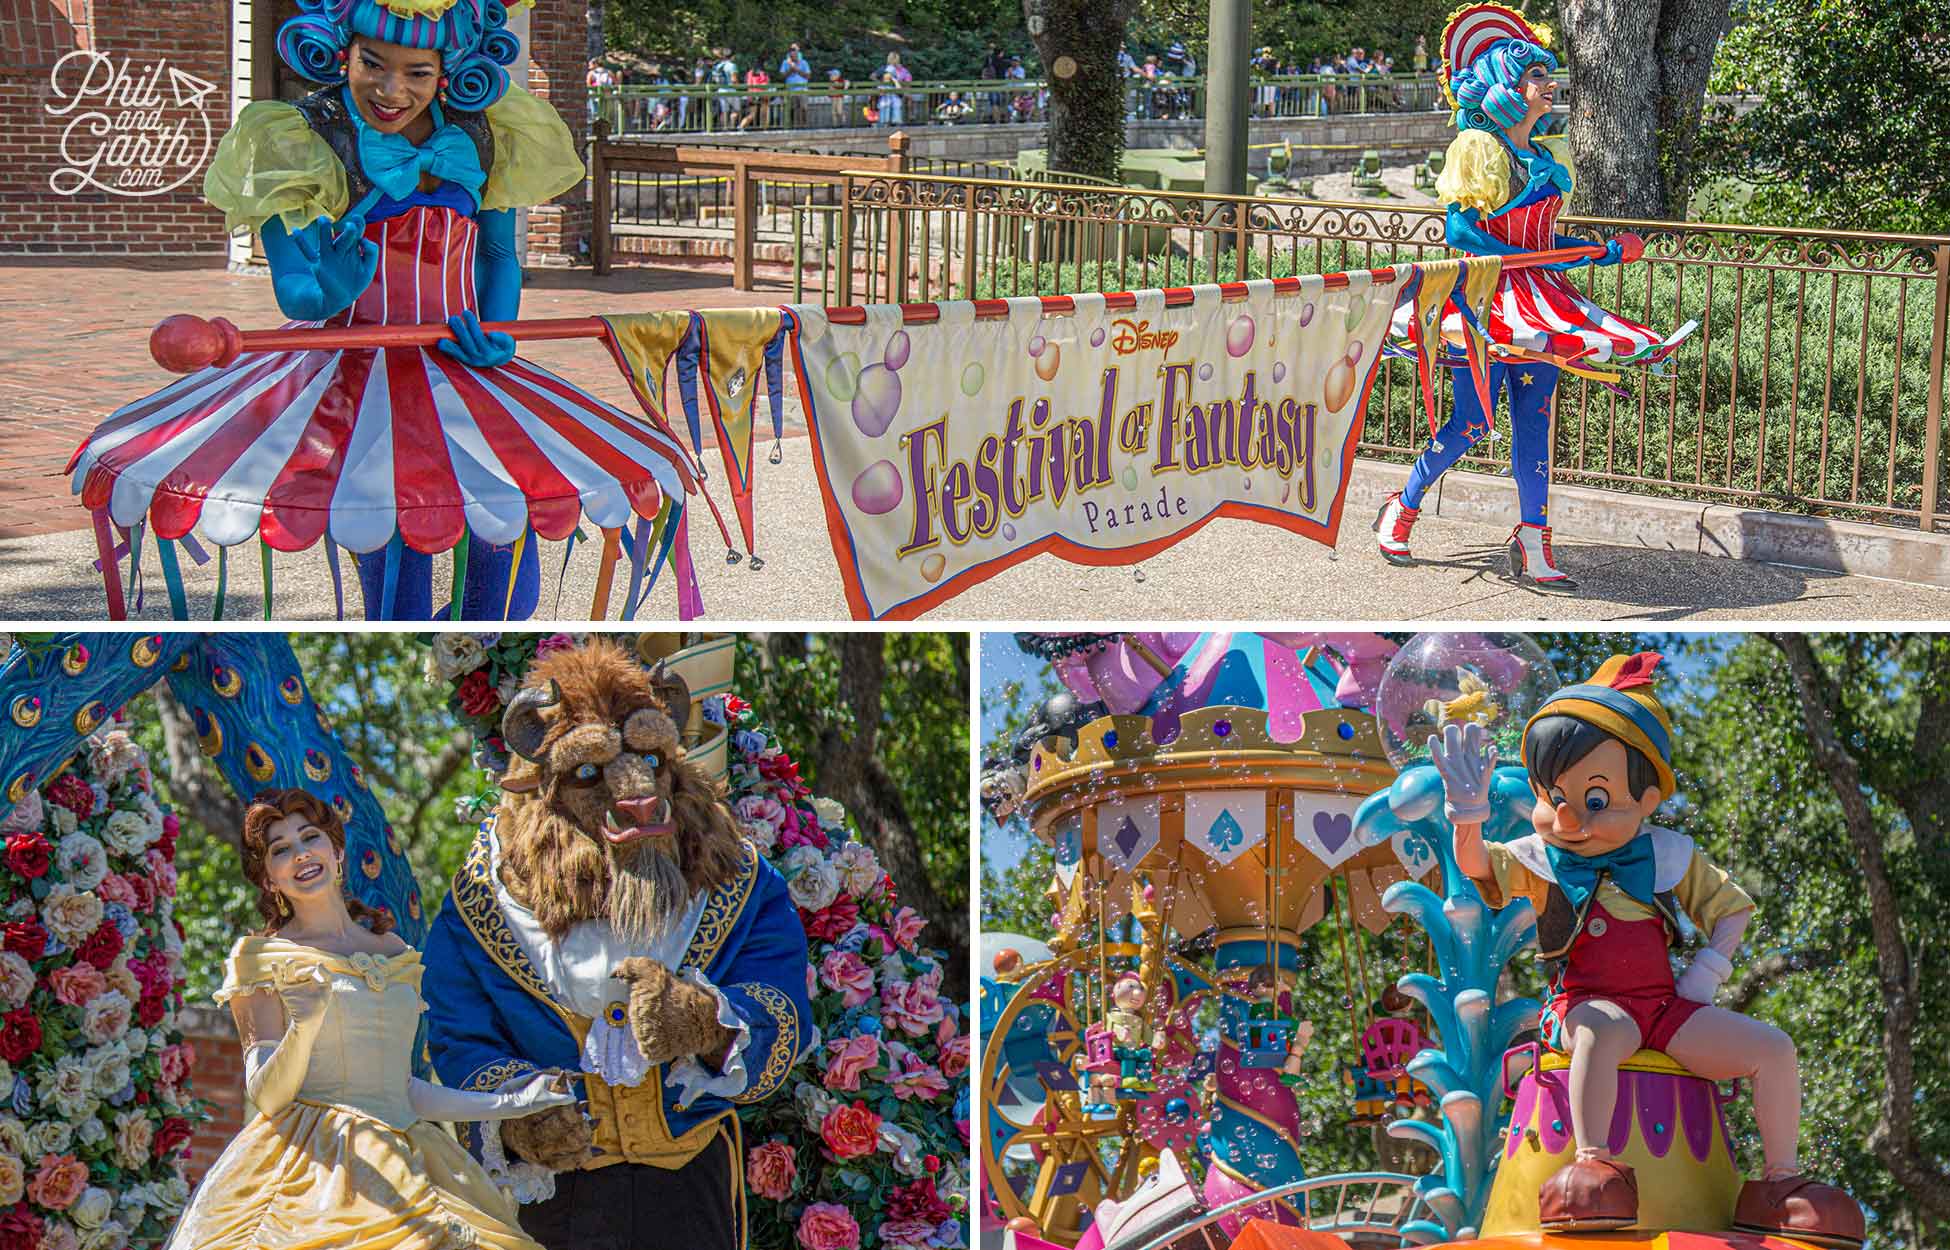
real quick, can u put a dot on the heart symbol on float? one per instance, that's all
(1333, 829)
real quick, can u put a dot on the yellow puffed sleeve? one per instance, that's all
(1509, 880)
(535, 157)
(1559, 146)
(1475, 173)
(1709, 895)
(256, 964)
(272, 164)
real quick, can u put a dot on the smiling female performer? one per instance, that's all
(389, 197)
(338, 1150)
(1505, 181)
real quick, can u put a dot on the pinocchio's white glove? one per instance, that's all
(1704, 976)
(1466, 759)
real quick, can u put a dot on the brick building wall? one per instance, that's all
(191, 36)
(194, 37)
(217, 1078)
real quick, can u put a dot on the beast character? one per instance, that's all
(612, 920)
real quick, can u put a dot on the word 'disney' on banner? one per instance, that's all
(950, 450)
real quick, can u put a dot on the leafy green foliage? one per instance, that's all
(936, 40)
(1852, 127)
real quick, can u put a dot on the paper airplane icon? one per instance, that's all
(188, 88)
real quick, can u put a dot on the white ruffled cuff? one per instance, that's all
(693, 1080)
(526, 1182)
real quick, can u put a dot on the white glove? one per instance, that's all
(1466, 759)
(274, 1072)
(516, 1098)
(1703, 977)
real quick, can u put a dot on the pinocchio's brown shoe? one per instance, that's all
(1588, 1195)
(1804, 1209)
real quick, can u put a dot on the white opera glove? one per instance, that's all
(1466, 759)
(274, 1072)
(1703, 977)
(519, 1097)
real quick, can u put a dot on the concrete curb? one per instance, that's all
(1736, 533)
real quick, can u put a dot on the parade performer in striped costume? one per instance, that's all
(1504, 181)
(389, 197)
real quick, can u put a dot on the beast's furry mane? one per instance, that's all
(562, 874)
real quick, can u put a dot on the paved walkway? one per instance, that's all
(74, 346)
(1231, 570)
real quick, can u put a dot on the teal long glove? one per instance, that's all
(318, 271)
(497, 286)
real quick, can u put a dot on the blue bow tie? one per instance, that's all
(1631, 867)
(394, 165)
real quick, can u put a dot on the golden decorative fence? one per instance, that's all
(1814, 383)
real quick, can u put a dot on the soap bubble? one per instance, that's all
(1048, 362)
(1036, 345)
(933, 565)
(877, 400)
(897, 350)
(1205, 373)
(841, 374)
(1497, 680)
(1097, 337)
(1239, 335)
(1306, 314)
(1279, 370)
(971, 377)
(878, 488)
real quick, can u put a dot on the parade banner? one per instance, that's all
(1103, 429)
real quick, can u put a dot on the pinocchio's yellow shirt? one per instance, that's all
(1703, 889)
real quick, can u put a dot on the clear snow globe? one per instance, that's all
(1496, 680)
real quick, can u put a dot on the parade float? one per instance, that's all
(1209, 798)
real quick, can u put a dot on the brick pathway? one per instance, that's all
(74, 346)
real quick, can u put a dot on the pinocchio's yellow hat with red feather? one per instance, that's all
(1619, 700)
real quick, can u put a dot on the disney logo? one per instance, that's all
(118, 138)
(1139, 336)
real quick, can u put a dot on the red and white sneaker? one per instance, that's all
(1391, 527)
(1530, 556)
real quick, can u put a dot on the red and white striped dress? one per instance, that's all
(1539, 310)
(363, 442)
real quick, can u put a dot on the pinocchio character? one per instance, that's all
(1609, 889)
(1133, 1045)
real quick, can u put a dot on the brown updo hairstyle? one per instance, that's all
(267, 809)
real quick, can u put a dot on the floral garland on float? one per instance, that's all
(865, 1154)
(94, 1071)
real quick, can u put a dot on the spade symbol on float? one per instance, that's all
(1225, 833)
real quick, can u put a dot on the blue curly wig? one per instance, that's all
(1488, 96)
(471, 37)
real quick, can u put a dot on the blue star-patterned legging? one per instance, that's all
(484, 597)
(1530, 423)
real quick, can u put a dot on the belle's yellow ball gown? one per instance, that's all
(348, 1164)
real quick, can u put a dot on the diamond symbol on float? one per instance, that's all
(1128, 838)
(1225, 833)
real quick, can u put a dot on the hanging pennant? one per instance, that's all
(1480, 274)
(1428, 294)
(1127, 829)
(1323, 824)
(1187, 910)
(1066, 839)
(1225, 824)
(735, 347)
(645, 345)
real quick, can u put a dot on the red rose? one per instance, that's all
(20, 1228)
(102, 946)
(171, 1134)
(850, 1132)
(150, 1010)
(28, 853)
(27, 939)
(20, 1035)
(477, 695)
(145, 892)
(72, 793)
(918, 1201)
(834, 922)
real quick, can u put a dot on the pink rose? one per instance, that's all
(912, 1076)
(954, 1050)
(914, 1007)
(553, 643)
(116, 889)
(906, 1234)
(812, 981)
(77, 984)
(58, 1182)
(850, 1132)
(907, 928)
(828, 1226)
(847, 1059)
(175, 1062)
(771, 1171)
(162, 872)
(848, 973)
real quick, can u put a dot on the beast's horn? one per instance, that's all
(674, 691)
(522, 725)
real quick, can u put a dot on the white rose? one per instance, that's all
(454, 656)
(113, 754)
(16, 980)
(831, 814)
(137, 1041)
(27, 814)
(62, 819)
(859, 870)
(92, 1132)
(13, 1135)
(92, 1208)
(50, 1137)
(815, 886)
(172, 1193)
(82, 860)
(904, 1146)
(71, 916)
(110, 1236)
(128, 832)
(21, 908)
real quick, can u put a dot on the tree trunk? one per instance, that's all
(1894, 1137)
(594, 17)
(1078, 42)
(195, 787)
(1638, 84)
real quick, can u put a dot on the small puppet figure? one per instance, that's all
(1263, 986)
(1127, 1031)
(1608, 889)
